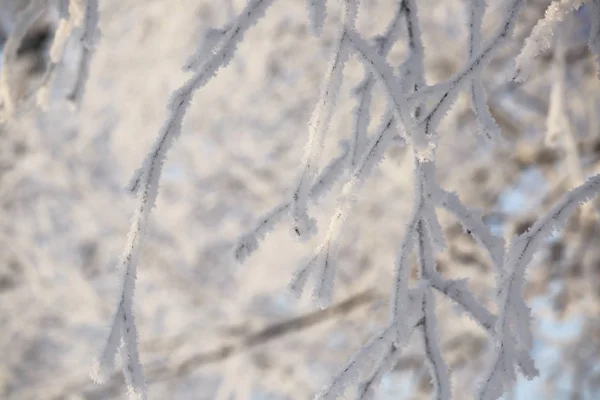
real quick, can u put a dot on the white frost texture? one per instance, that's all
(311, 199)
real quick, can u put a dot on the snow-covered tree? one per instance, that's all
(426, 170)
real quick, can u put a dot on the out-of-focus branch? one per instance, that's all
(263, 336)
(189, 364)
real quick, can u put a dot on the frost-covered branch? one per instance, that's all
(543, 33)
(415, 111)
(145, 183)
(399, 303)
(88, 40)
(522, 248)
(457, 291)
(367, 389)
(512, 328)
(487, 125)
(123, 326)
(363, 91)
(413, 69)
(76, 17)
(433, 354)
(501, 372)
(360, 367)
(451, 88)
(384, 73)
(181, 97)
(471, 221)
(324, 260)
(249, 242)
(83, 14)
(318, 125)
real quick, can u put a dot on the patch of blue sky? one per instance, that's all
(525, 193)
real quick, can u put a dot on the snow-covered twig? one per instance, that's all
(457, 291)
(303, 224)
(181, 97)
(433, 354)
(364, 89)
(123, 326)
(399, 303)
(384, 73)
(522, 248)
(248, 242)
(414, 66)
(450, 89)
(542, 34)
(83, 14)
(408, 96)
(325, 255)
(360, 367)
(473, 225)
(88, 40)
(77, 11)
(209, 44)
(487, 125)
(512, 328)
(501, 371)
(366, 390)
(146, 182)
